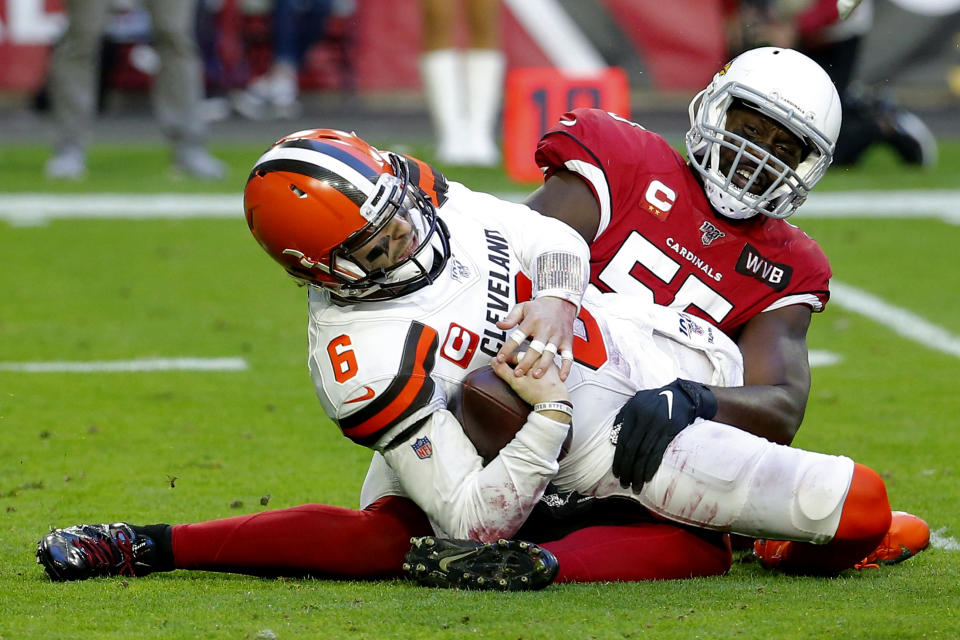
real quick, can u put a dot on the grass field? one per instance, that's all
(180, 446)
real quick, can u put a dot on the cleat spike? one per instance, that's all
(465, 564)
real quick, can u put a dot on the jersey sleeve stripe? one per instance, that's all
(411, 389)
(595, 176)
(816, 300)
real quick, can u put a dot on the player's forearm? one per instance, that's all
(773, 412)
(504, 494)
(461, 497)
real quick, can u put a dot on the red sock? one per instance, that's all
(864, 521)
(641, 551)
(314, 539)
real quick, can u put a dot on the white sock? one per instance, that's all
(484, 75)
(441, 72)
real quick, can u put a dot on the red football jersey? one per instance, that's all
(659, 239)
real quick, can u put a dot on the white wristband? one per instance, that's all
(561, 274)
(562, 407)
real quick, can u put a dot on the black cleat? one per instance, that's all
(93, 550)
(506, 565)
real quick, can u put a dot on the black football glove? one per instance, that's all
(648, 422)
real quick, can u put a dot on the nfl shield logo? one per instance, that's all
(422, 448)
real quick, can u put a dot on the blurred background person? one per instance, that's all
(296, 25)
(177, 91)
(832, 33)
(869, 116)
(463, 86)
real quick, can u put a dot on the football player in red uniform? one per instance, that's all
(709, 236)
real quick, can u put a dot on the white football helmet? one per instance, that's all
(786, 86)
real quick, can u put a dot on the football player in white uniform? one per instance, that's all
(408, 277)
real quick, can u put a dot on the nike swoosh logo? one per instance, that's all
(568, 123)
(369, 393)
(445, 562)
(669, 396)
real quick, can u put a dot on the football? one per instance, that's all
(491, 413)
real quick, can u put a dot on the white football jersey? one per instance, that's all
(388, 372)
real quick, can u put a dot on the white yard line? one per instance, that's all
(906, 323)
(821, 358)
(27, 209)
(125, 366)
(940, 540)
(31, 209)
(941, 203)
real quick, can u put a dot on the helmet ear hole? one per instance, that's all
(300, 193)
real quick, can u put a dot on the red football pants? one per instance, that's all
(330, 541)
(314, 539)
(640, 551)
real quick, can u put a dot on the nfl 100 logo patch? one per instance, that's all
(423, 448)
(458, 270)
(710, 233)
